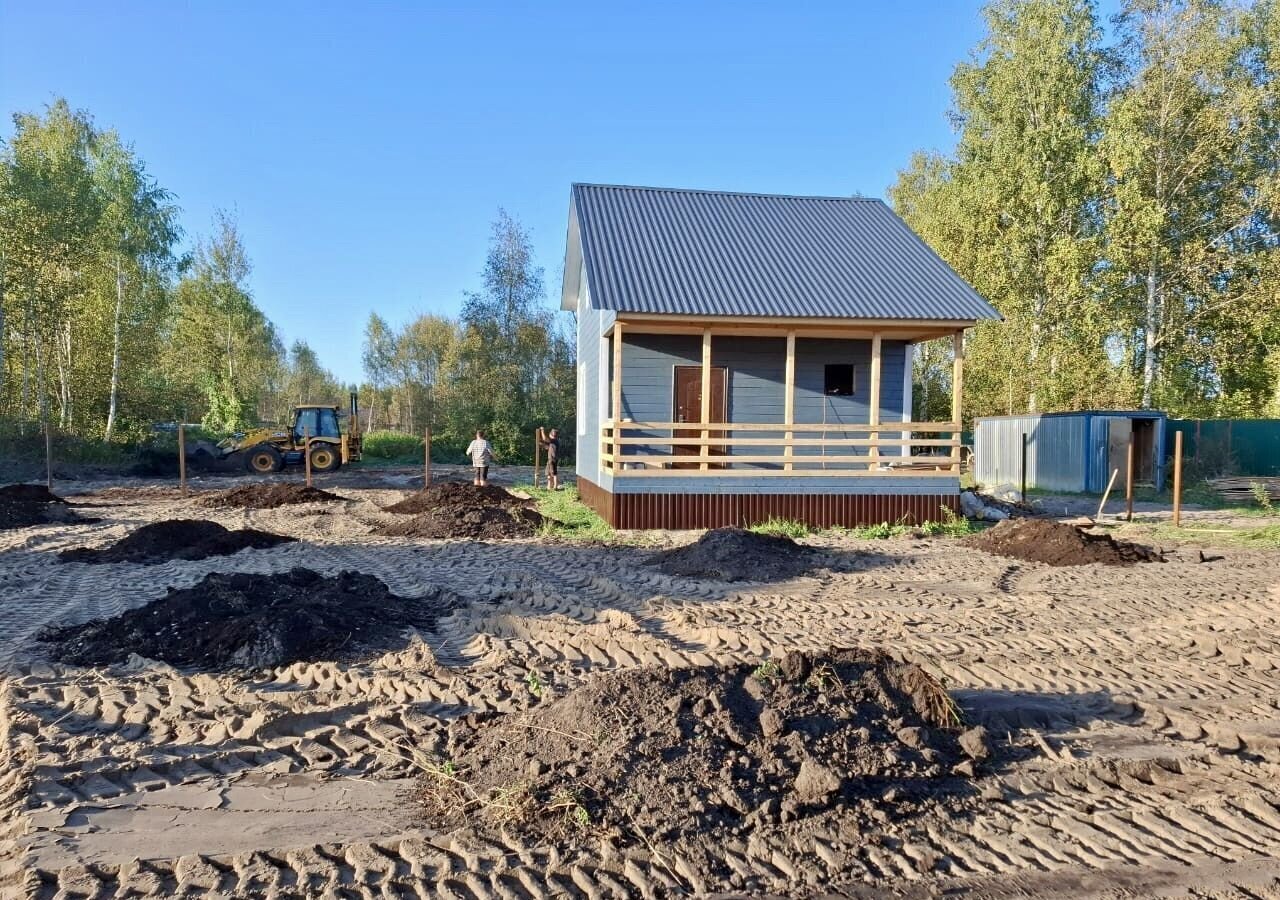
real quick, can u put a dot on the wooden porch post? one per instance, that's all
(617, 396)
(873, 414)
(957, 397)
(789, 397)
(706, 394)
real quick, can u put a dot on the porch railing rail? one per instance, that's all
(655, 449)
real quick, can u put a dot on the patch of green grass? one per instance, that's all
(782, 528)
(1262, 498)
(950, 525)
(947, 525)
(767, 671)
(1264, 537)
(534, 682)
(568, 517)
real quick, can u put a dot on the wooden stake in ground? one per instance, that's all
(426, 458)
(306, 452)
(48, 456)
(1128, 483)
(537, 454)
(1115, 473)
(182, 458)
(1177, 479)
(1024, 467)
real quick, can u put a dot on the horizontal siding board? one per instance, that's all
(756, 371)
(824, 485)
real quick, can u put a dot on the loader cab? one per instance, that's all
(317, 421)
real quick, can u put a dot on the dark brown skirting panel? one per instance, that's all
(598, 499)
(719, 510)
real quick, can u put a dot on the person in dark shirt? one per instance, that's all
(551, 443)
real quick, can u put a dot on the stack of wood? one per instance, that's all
(1241, 489)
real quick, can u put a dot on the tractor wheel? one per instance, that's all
(324, 458)
(263, 460)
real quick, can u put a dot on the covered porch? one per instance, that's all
(710, 436)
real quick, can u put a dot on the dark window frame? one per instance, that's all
(845, 380)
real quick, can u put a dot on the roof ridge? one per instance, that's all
(675, 190)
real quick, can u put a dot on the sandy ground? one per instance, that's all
(1145, 701)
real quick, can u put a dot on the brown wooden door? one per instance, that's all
(687, 406)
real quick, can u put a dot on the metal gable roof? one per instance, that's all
(686, 252)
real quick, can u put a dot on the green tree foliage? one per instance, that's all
(104, 327)
(505, 365)
(1117, 204)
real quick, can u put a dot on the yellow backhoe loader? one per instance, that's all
(316, 430)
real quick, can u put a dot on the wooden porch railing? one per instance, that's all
(675, 448)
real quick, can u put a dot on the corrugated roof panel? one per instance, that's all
(662, 250)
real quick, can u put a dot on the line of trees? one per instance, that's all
(105, 325)
(505, 364)
(1118, 200)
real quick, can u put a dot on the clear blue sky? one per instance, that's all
(365, 147)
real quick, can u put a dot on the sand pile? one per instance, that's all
(453, 510)
(23, 505)
(266, 496)
(1045, 541)
(246, 621)
(176, 539)
(732, 554)
(689, 756)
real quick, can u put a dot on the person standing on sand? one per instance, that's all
(481, 453)
(551, 443)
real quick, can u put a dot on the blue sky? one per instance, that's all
(366, 147)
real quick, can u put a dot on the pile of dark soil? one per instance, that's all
(266, 496)
(176, 539)
(685, 758)
(732, 554)
(1046, 541)
(453, 510)
(455, 493)
(24, 505)
(247, 621)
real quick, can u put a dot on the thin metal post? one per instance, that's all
(1024, 467)
(1177, 479)
(1128, 483)
(537, 454)
(182, 458)
(306, 452)
(48, 456)
(426, 458)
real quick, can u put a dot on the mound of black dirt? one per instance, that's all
(732, 554)
(266, 496)
(453, 510)
(474, 521)
(28, 493)
(1057, 544)
(176, 539)
(250, 621)
(687, 758)
(453, 493)
(24, 505)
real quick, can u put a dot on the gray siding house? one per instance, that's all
(747, 356)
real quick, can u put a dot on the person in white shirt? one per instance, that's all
(481, 453)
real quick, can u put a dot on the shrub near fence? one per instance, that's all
(1218, 447)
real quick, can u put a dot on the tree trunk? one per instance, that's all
(26, 371)
(62, 346)
(3, 371)
(1150, 364)
(41, 393)
(115, 352)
